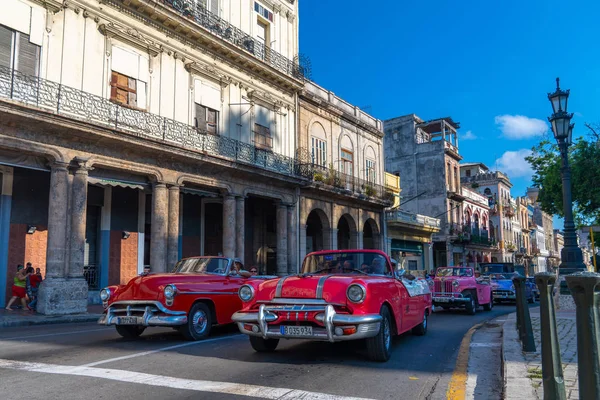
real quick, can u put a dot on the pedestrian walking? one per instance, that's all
(18, 288)
(34, 281)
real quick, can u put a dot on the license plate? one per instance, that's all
(442, 299)
(296, 330)
(127, 321)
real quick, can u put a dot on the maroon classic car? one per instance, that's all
(199, 293)
(340, 295)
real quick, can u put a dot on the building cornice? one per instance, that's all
(131, 37)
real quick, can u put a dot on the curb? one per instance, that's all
(47, 320)
(457, 386)
(514, 366)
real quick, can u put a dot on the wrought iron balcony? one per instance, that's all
(348, 183)
(73, 103)
(194, 11)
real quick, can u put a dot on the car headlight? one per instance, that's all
(455, 284)
(246, 293)
(170, 291)
(356, 293)
(105, 294)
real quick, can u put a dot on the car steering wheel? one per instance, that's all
(219, 271)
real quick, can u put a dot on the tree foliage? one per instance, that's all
(584, 159)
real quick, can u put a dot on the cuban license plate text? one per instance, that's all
(442, 299)
(296, 330)
(127, 321)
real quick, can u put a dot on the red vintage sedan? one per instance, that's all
(340, 295)
(199, 293)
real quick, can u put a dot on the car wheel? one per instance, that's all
(130, 331)
(261, 345)
(471, 305)
(489, 306)
(421, 329)
(379, 347)
(199, 323)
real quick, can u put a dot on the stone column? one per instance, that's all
(291, 244)
(358, 240)
(302, 249)
(173, 232)
(160, 221)
(78, 218)
(240, 228)
(57, 215)
(229, 226)
(333, 234)
(282, 240)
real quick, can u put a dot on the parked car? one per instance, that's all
(340, 295)
(199, 293)
(457, 287)
(503, 289)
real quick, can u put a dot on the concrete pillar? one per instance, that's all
(282, 240)
(229, 226)
(57, 215)
(291, 244)
(333, 234)
(141, 228)
(302, 249)
(6, 185)
(388, 246)
(173, 231)
(357, 240)
(160, 222)
(240, 228)
(79, 191)
(105, 216)
(429, 259)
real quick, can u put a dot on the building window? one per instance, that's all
(319, 151)
(347, 162)
(262, 137)
(18, 53)
(412, 265)
(206, 119)
(370, 171)
(263, 12)
(125, 90)
(210, 5)
(468, 173)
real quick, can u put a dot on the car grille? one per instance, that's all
(504, 292)
(132, 310)
(443, 287)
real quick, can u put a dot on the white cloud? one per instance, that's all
(468, 136)
(520, 126)
(513, 164)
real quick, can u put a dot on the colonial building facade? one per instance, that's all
(426, 155)
(134, 133)
(343, 206)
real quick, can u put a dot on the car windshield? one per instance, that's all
(454, 272)
(498, 277)
(202, 264)
(365, 263)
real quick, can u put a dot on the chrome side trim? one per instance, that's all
(320, 284)
(279, 287)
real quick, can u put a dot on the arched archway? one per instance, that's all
(317, 231)
(371, 235)
(346, 235)
(476, 222)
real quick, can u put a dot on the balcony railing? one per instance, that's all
(349, 183)
(417, 219)
(226, 31)
(74, 103)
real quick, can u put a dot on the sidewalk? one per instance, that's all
(17, 318)
(523, 371)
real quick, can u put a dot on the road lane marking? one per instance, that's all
(458, 383)
(239, 389)
(486, 344)
(53, 334)
(145, 353)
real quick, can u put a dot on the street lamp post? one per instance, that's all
(571, 255)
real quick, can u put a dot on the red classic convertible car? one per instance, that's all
(340, 295)
(199, 293)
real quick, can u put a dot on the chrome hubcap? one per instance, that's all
(425, 321)
(386, 333)
(199, 321)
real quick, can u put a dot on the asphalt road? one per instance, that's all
(88, 361)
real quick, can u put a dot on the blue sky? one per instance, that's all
(487, 64)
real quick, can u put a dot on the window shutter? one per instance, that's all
(6, 36)
(200, 117)
(28, 56)
(214, 7)
(114, 77)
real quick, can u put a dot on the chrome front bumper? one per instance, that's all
(503, 296)
(448, 298)
(366, 325)
(148, 313)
